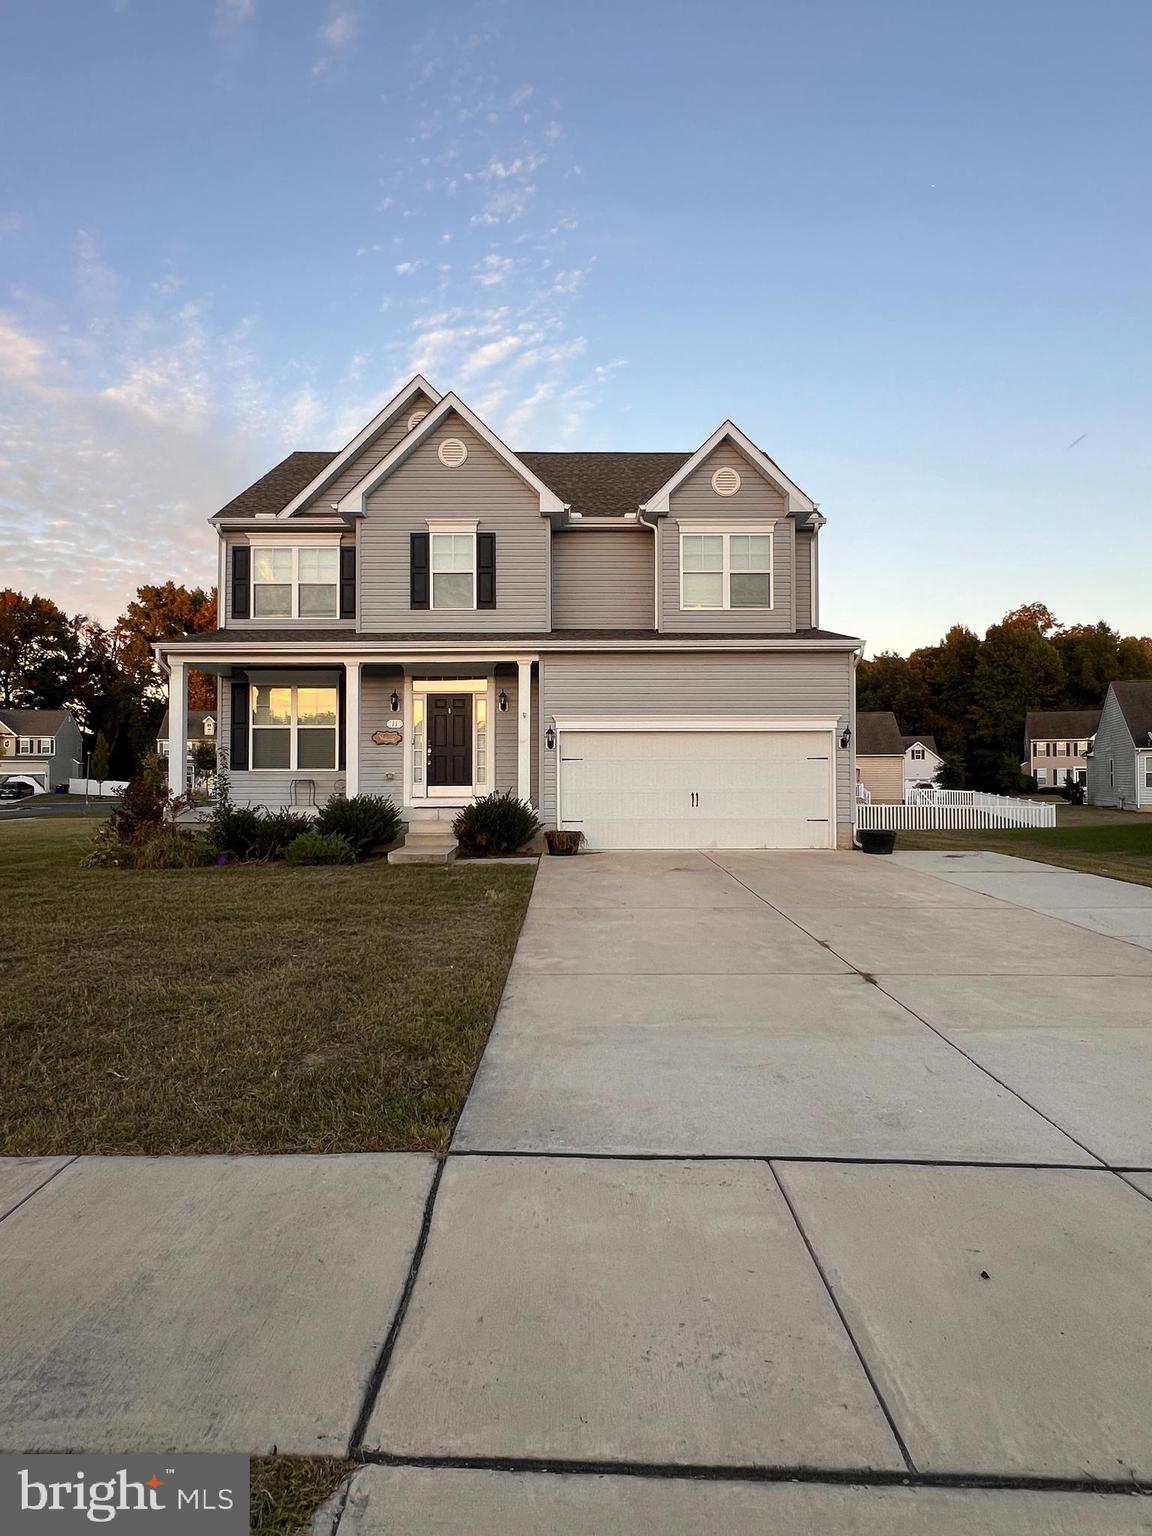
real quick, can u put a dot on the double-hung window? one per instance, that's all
(453, 562)
(726, 569)
(293, 727)
(34, 746)
(295, 583)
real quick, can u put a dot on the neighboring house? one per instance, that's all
(629, 640)
(880, 756)
(201, 730)
(922, 763)
(1120, 763)
(1056, 743)
(40, 744)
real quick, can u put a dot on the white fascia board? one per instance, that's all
(352, 504)
(696, 724)
(257, 525)
(796, 498)
(379, 422)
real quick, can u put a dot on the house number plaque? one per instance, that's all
(387, 738)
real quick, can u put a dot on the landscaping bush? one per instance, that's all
(143, 803)
(366, 821)
(251, 832)
(319, 848)
(159, 847)
(499, 823)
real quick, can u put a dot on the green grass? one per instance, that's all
(286, 1491)
(1115, 844)
(244, 1009)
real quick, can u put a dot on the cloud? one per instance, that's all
(235, 12)
(493, 269)
(336, 36)
(406, 268)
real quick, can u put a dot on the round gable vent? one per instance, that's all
(452, 452)
(415, 419)
(726, 482)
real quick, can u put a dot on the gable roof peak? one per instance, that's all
(798, 501)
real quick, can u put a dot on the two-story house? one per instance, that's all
(1056, 743)
(42, 745)
(201, 733)
(631, 641)
(1120, 762)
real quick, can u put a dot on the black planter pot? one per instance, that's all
(877, 842)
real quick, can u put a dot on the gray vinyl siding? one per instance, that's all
(756, 501)
(603, 580)
(381, 768)
(367, 459)
(483, 488)
(805, 543)
(505, 761)
(698, 684)
(1113, 740)
(280, 532)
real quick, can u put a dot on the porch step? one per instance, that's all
(423, 853)
(429, 832)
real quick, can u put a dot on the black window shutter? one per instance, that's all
(485, 570)
(238, 743)
(341, 696)
(241, 569)
(418, 570)
(347, 582)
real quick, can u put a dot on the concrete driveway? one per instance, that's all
(791, 1165)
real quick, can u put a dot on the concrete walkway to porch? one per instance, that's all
(808, 1192)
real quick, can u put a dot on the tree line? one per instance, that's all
(106, 674)
(972, 694)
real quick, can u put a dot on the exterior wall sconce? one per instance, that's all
(550, 738)
(846, 738)
(503, 701)
(394, 701)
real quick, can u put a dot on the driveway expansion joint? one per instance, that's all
(376, 1375)
(55, 1174)
(707, 1472)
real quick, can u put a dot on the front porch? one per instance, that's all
(429, 733)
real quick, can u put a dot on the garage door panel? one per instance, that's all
(698, 789)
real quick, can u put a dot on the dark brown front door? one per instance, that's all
(449, 740)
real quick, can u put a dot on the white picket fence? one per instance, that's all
(955, 810)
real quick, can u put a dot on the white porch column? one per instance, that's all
(177, 729)
(524, 730)
(351, 728)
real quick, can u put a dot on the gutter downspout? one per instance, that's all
(655, 567)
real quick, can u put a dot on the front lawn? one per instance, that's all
(1113, 843)
(253, 1008)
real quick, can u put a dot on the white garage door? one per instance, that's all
(698, 789)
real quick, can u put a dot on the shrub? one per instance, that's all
(498, 823)
(251, 832)
(161, 847)
(143, 803)
(366, 821)
(319, 848)
(276, 829)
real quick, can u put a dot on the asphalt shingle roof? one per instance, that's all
(33, 722)
(877, 734)
(352, 638)
(1060, 724)
(594, 484)
(1135, 701)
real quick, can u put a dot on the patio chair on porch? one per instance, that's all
(302, 792)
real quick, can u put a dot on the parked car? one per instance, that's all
(15, 789)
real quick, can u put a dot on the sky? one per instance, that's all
(904, 246)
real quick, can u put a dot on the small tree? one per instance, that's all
(204, 758)
(99, 765)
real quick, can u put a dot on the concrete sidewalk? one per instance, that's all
(792, 1190)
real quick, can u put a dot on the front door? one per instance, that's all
(449, 740)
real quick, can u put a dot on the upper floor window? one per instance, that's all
(34, 746)
(918, 753)
(453, 560)
(295, 583)
(726, 570)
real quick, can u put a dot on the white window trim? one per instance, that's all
(458, 528)
(725, 531)
(256, 544)
(293, 730)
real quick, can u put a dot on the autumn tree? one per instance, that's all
(888, 681)
(165, 613)
(39, 652)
